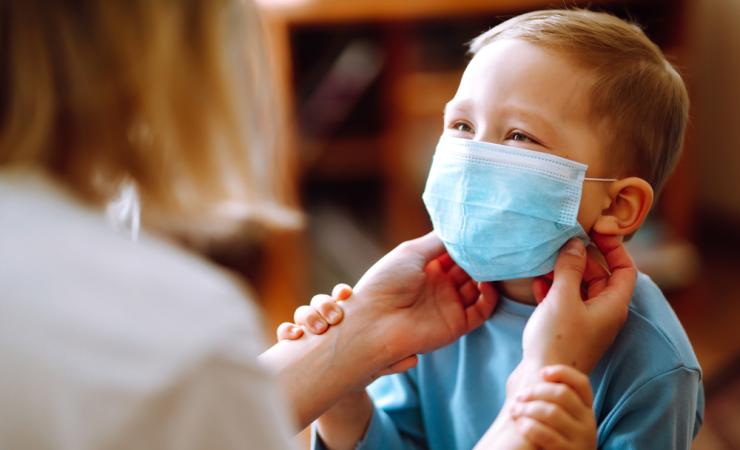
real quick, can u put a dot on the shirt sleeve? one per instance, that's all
(396, 423)
(665, 412)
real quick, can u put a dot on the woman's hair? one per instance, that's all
(174, 96)
(642, 96)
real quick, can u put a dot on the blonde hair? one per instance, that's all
(636, 89)
(173, 96)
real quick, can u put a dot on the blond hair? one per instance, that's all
(637, 90)
(170, 95)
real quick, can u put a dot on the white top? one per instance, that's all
(106, 343)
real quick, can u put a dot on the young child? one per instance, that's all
(565, 123)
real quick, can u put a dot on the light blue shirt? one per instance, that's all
(647, 387)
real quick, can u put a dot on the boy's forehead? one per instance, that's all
(512, 71)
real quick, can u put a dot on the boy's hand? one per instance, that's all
(325, 311)
(556, 413)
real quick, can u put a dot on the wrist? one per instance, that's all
(526, 373)
(374, 327)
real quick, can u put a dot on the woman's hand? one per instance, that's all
(425, 300)
(584, 308)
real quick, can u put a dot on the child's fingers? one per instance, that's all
(557, 394)
(548, 414)
(310, 318)
(341, 291)
(290, 331)
(573, 378)
(328, 308)
(539, 434)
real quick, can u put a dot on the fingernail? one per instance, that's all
(318, 326)
(575, 247)
(332, 316)
(515, 409)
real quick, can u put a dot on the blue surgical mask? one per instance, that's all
(503, 212)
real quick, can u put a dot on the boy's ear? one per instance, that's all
(631, 200)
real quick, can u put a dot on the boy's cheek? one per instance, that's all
(594, 202)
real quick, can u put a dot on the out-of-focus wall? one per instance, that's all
(715, 67)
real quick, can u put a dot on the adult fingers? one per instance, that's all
(614, 300)
(481, 310)
(310, 317)
(289, 331)
(573, 378)
(595, 277)
(445, 260)
(569, 268)
(400, 366)
(540, 288)
(327, 307)
(618, 260)
(469, 293)
(427, 247)
(458, 275)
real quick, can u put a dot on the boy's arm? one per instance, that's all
(391, 420)
(664, 412)
(345, 423)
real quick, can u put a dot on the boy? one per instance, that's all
(546, 94)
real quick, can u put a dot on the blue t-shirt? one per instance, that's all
(647, 387)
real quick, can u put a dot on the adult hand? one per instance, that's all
(567, 328)
(423, 299)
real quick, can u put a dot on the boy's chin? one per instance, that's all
(519, 290)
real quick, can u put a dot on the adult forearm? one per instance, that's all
(314, 372)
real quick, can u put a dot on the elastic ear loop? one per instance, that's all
(608, 180)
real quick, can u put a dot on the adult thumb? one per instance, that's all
(569, 268)
(427, 247)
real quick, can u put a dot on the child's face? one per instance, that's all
(515, 93)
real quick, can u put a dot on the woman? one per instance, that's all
(109, 341)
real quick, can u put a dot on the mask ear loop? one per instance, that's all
(607, 180)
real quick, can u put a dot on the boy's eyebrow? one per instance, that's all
(532, 116)
(460, 105)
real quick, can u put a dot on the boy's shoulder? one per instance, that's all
(652, 329)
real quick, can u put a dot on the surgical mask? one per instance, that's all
(503, 212)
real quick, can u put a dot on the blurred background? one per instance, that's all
(363, 84)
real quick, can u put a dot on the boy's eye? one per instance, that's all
(518, 136)
(463, 127)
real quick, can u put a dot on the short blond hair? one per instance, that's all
(173, 96)
(637, 90)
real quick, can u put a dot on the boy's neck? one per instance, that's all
(519, 290)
